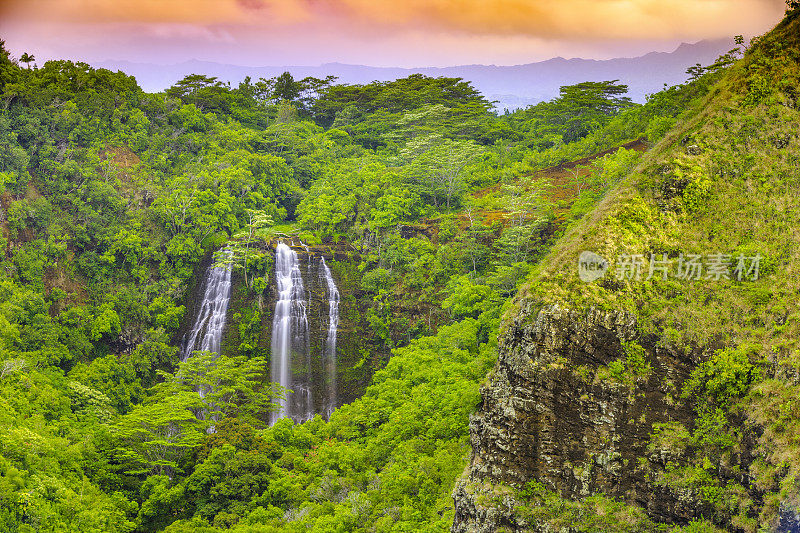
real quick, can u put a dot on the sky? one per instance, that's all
(404, 33)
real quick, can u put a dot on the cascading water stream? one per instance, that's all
(290, 338)
(206, 334)
(291, 348)
(312, 377)
(329, 356)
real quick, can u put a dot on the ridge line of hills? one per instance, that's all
(513, 86)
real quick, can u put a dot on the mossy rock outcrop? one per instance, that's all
(644, 402)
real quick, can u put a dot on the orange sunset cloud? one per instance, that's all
(615, 19)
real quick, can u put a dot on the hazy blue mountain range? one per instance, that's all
(512, 86)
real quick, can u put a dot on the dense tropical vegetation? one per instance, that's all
(111, 199)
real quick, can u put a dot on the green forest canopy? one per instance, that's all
(112, 197)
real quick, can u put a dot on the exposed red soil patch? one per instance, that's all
(563, 184)
(565, 180)
(56, 277)
(120, 162)
(120, 156)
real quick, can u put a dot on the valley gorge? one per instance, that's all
(295, 304)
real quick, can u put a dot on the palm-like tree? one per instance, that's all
(27, 59)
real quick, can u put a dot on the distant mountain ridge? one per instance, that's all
(512, 86)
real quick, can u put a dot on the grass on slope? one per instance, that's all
(725, 180)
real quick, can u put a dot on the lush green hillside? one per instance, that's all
(694, 372)
(112, 198)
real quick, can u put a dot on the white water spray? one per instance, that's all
(290, 335)
(329, 356)
(206, 334)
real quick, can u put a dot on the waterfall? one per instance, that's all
(310, 373)
(290, 336)
(329, 357)
(206, 334)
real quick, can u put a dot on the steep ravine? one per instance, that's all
(359, 350)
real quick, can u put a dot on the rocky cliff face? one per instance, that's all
(548, 415)
(666, 402)
(353, 338)
(361, 349)
(250, 317)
